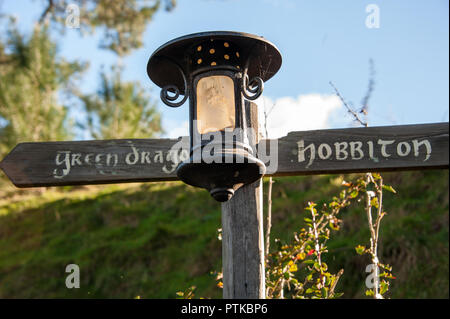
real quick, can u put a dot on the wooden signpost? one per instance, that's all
(333, 151)
(221, 72)
(388, 148)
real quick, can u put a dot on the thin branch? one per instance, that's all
(316, 239)
(365, 101)
(47, 10)
(338, 276)
(349, 109)
(380, 214)
(373, 227)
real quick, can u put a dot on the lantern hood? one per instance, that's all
(260, 57)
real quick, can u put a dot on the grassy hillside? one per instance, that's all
(151, 240)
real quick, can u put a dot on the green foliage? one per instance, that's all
(315, 281)
(120, 110)
(31, 76)
(128, 240)
(37, 85)
(414, 238)
(297, 269)
(151, 240)
(360, 249)
(123, 21)
(187, 294)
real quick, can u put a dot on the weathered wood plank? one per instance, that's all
(93, 162)
(387, 148)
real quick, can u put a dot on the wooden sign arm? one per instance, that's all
(335, 151)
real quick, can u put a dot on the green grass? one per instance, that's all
(152, 240)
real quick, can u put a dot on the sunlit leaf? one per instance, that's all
(369, 292)
(360, 249)
(293, 268)
(389, 188)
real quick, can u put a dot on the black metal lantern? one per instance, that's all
(219, 72)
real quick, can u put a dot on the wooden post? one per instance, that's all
(242, 235)
(242, 244)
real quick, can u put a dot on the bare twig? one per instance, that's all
(373, 227)
(47, 10)
(365, 100)
(316, 239)
(373, 236)
(349, 109)
(338, 276)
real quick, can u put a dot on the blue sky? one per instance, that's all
(320, 41)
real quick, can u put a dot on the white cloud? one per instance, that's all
(306, 112)
(175, 130)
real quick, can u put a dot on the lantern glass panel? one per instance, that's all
(215, 104)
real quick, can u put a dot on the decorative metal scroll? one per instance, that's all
(173, 89)
(252, 89)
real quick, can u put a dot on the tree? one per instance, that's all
(123, 21)
(32, 66)
(120, 110)
(31, 76)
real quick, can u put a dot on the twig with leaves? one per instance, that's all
(372, 186)
(297, 270)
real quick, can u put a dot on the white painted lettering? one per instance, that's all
(383, 146)
(320, 151)
(133, 154)
(87, 158)
(65, 161)
(76, 159)
(341, 148)
(356, 147)
(403, 149)
(417, 144)
(109, 157)
(302, 150)
(145, 158)
(159, 157)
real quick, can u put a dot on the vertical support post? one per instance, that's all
(242, 235)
